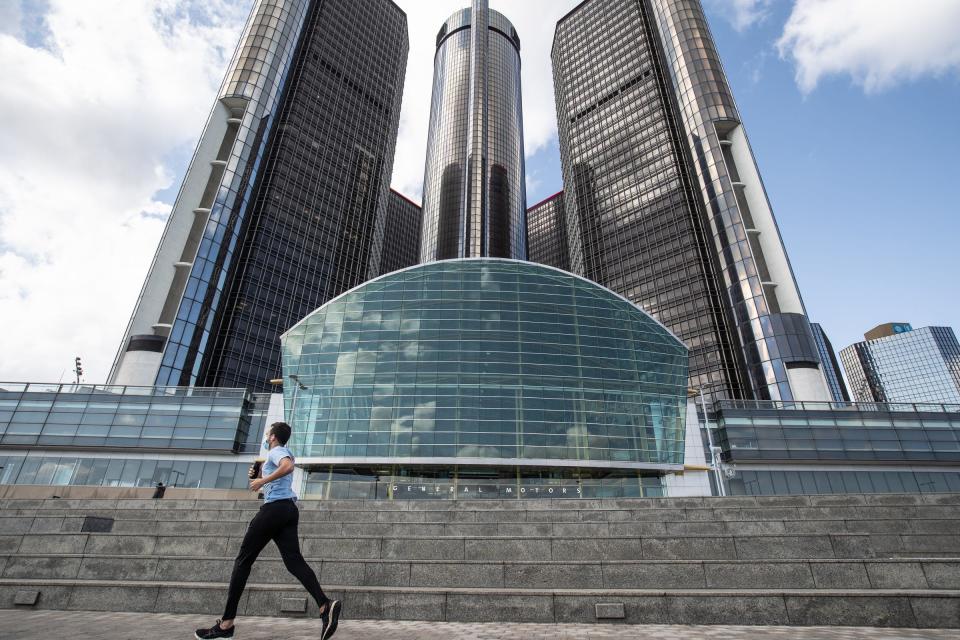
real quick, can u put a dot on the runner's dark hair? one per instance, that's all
(281, 430)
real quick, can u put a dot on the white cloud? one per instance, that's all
(96, 123)
(741, 14)
(534, 20)
(87, 125)
(877, 43)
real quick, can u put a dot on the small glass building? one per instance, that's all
(479, 373)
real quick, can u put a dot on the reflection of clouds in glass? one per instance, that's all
(482, 379)
(410, 349)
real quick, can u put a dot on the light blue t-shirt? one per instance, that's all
(281, 488)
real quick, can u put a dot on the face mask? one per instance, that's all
(266, 444)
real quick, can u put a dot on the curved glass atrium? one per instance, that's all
(491, 363)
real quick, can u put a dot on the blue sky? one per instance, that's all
(851, 108)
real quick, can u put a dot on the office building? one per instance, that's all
(777, 448)
(401, 234)
(114, 436)
(547, 233)
(283, 205)
(897, 363)
(663, 198)
(487, 374)
(474, 192)
(830, 365)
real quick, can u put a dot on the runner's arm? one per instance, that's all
(285, 467)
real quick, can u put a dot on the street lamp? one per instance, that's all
(300, 387)
(716, 464)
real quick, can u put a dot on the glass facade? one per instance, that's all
(474, 192)
(300, 147)
(664, 201)
(62, 415)
(771, 324)
(401, 236)
(315, 224)
(778, 482)
(207, 223)
(918, 365)
(471, 483)
(831, 366)
(120, 471)
(631, 202)
(547, 233)
(838, 432)
(485, 360)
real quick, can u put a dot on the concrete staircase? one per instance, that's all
(877, 560)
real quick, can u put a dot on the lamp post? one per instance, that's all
(716, 464)
(300, 387)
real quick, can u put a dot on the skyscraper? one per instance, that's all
(664, 202)
(283, 205)
(547, 233)
(831, 366)
(401, 246)
(897, 363)
(474, 196)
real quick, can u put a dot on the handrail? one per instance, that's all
(126, 390)
(802, 405)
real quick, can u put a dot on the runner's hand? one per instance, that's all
(256, 485)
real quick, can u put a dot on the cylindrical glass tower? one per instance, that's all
(474, 195)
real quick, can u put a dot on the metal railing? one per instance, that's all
(875, 407)
(120, 390)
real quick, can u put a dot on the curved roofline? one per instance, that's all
(485, 259)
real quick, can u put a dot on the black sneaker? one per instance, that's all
(213, 632)
(332, 615)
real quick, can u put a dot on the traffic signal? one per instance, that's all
(79, 367)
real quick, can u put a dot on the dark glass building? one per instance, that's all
(664, 202)
(401, 235)
(547, 233)
(902, 364)
(474, 191)
(284, 204)
(831, 366)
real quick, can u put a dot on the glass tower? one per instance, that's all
(915, 365)
(401, 245)
(474, 194)
(664, 202)
(547, 233)
(831, 366)
(283, 206)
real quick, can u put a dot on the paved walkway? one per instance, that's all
(31, 625)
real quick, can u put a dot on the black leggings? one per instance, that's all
(275, 521)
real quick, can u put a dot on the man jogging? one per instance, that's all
(277, 521)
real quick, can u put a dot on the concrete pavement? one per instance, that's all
(81, 625)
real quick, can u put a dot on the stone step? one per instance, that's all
(677, 574)
(709, 503)
(510, 548)
(906, 608)
(73, 524)
(309, 514)
(735, 502)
